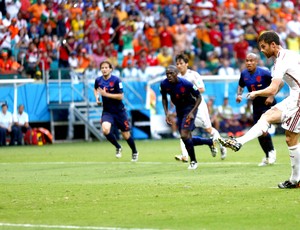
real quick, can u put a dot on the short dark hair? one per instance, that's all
(269, 37)
(183, 57)
(106, 62)
(4, 104)
(172, 68)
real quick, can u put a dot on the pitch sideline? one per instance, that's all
(123, 162)
(68, 227)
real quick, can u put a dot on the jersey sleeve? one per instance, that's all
(162, 88)
(119, 85)
(241, 80)
(198, 80)
(96, 83)
(194, 90)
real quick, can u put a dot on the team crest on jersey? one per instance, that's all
(111, 83)
(182, 89)
(258, 78)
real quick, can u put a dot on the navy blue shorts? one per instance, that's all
(182, 123)
(120, 120)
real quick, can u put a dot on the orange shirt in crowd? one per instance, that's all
(126, 59)
(74, 11)
(229, 3)
(36, 10)
(13, 31)
(5, 64)
(84, 62)
(203, 35)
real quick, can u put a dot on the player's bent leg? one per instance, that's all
(106, 129)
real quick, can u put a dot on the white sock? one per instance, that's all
(257, 130)
(295, 163)
(184, 152)
(214, 133)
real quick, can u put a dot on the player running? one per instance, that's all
(256, 78)
(202, 119)
(186, 98)
(114, 113)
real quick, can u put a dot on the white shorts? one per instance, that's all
(202, 118)
(290, 117)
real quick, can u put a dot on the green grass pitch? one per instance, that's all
(64, 186)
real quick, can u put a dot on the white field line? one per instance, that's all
(125, 163)
(67, 227)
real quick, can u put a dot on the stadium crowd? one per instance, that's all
(38, 36)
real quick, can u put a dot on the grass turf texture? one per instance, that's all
(83, 184)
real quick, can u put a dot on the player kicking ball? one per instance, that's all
(286, 68)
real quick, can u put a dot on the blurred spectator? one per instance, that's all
(13, 29)
(128, 57)
(166, 37)
(293, 25)
(32, 58)
(228, 122)
(15, 66)
(20, 125)
(139, 43)
(164, 58)
(73, 60)
(5, 38)
(127, 41)
(215, 36)
(67, 46)
(152, 58)
(212, 62)
(250, 36)
(180, 41)
(6, 120)
(93, 32)
(91, 73)
(225, 69)
(213, 113)
(111, 55)
(202, 69)
(130, 72)
(144, 72)
(77, 27)
(240, 50)
(5, 63)
(83, 59)
(292, 42)
(13, 7)
(37, 9)
(246, 113)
